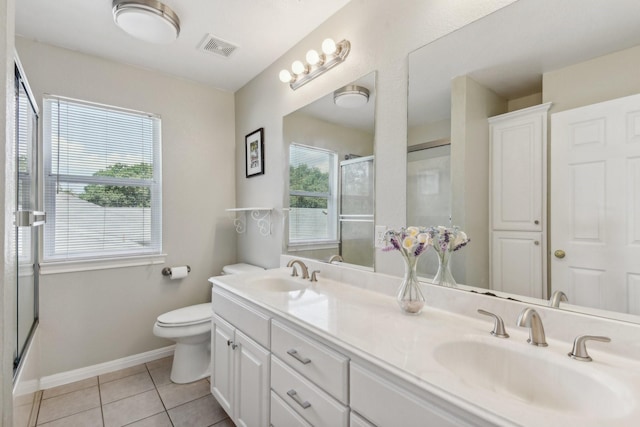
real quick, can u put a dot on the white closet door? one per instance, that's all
(517, 262)
(516, 165)
(595, 204)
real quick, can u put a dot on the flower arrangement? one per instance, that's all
(411, 242)
(447, 239)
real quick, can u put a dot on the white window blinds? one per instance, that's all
(102, 172)
(312, 194)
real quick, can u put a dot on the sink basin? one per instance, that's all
(535, 377)
(277, 284)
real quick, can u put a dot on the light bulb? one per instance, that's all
(329, 47)
(312, 57)
(285, 76)
(298, 67)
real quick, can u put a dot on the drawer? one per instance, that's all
(356, 420)
(283, 416)
(387, 405)
(322, 365)
(249, 320)
(314, 405)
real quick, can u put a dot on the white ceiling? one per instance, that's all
(263, 30)
(509, 50)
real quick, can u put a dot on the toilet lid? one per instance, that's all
(240, 268)
(187, 315)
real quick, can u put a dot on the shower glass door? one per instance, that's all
(356, 211)
(27, 218)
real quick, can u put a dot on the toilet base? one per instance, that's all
(191, 362)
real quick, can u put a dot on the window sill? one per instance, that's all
(306, 246)
(58, 267)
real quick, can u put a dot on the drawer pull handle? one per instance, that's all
(294, 353)
(294, 395)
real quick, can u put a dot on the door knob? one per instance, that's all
(559, 253)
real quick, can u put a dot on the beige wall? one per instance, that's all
(303, 129)
(429, 132)
(472, 104)
(97, 316)
(600, 79)
(382, 33)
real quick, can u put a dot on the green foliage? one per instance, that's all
(304, 178)
(120, 196)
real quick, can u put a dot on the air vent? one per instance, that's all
(211, 44)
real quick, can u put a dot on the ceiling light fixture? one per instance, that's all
(316, 63)
(351, 96)
(147, 20)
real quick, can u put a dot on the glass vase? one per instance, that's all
(410, 298)
(444, 277)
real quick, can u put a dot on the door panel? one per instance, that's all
(595, 204)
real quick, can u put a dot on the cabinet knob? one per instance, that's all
(559, 254)
(536, 222)
(535, 242)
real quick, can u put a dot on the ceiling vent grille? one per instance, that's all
(211, 44)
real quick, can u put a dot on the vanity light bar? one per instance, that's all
(316, 64)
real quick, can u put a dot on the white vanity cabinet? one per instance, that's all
(310, 377)
(240, 365)
(386, 403)
(518, 152)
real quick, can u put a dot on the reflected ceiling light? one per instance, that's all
(351, 96)
(316, 63)
(147, 20)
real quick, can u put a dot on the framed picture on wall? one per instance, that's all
(254, 153)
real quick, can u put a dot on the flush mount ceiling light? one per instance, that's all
(147, 20)
(316, 63)
(351, 96)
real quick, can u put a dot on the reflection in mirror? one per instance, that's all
(429, 184)
(510, 64)
(331, 179)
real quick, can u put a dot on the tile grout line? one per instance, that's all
(100, 396)
(155, 386)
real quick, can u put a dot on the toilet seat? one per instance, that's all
(192, 315)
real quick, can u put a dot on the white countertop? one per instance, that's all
(370, 325)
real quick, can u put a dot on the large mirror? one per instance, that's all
(528, 54)
(330, 191)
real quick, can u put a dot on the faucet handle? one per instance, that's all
(294, 271)
(498, 325)
(579, 351)
(314, 277)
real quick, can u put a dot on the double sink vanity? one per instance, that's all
(339, 352)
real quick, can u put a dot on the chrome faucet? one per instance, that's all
(529, 318)
(335, 258)
(557, 298)
(303, 267)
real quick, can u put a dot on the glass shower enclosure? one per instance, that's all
(356, 211)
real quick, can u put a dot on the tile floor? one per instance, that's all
(140, 396)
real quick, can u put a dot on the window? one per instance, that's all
(312, 195)
(102, 181)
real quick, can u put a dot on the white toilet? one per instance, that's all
(190, 328)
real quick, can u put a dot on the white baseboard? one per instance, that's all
(104, 368)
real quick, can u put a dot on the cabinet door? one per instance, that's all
(222, 363)
(516, 265)
(251, 382)
(517, 172)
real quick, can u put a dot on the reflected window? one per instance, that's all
(312, 194)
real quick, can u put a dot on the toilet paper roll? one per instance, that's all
(179, 272)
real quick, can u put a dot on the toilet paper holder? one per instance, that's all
(167, 271)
